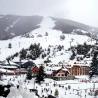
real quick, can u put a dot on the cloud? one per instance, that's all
(84, 11)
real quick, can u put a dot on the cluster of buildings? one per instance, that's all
(67, 71)
(11, 68)
(55, 71)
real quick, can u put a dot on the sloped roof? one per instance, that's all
(57, 71)
(28, 64)
(13, 67)
(10, 63)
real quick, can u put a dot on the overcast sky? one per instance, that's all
(85, 11)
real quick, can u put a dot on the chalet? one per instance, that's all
(8, 69)
(50, 69)
(6, 72)
(60, 74)
(12, 70)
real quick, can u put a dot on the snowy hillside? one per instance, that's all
(46, 36)
(57, 47)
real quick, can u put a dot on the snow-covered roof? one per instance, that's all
(5, 70)
(49, 70)
(77, 63)
(13, 67)
(38, 61)
(65, 69)
(11, 63)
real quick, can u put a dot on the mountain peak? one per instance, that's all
(11, 25)
(47, 23)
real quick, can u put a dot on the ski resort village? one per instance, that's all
(48, 63)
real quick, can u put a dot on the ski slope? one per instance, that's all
(38, 36)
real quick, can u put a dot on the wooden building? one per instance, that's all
(60, 73)
(77, 69)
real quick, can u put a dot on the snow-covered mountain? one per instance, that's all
(11, 25)
(58, 42)
(47, 37)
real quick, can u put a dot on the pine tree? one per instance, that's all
(47, 60)
(29, 74)
(62, 37)
(23, 54)
(8, 59)
(46, 34)
(10, 45)
(73, 55)
(41, 75)
(35, 50)
(0, 75)
(94, 65)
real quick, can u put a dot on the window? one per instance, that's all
(62, 74)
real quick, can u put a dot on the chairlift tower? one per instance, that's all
(96, 39)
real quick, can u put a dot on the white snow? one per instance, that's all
(77, 87)
(52, 39)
